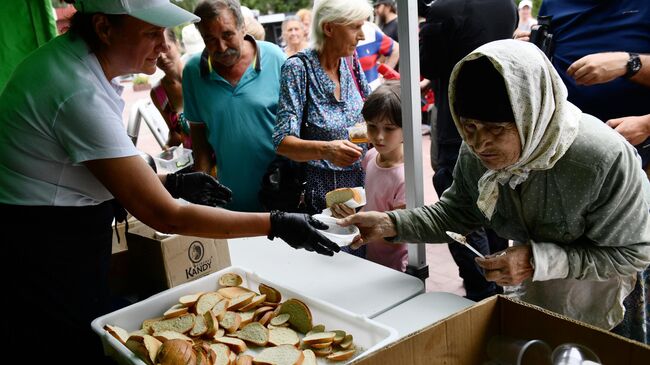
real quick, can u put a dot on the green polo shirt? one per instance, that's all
(239, 119)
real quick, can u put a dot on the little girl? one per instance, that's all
(384, 168)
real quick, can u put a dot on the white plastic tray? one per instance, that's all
(368, 335)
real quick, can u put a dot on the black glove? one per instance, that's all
(300, 231)
(198, 188)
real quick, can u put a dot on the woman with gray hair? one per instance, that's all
(293, 35)
(331, 101)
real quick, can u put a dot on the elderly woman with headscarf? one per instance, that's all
(325, 83)
(538, 171)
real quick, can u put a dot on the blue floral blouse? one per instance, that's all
(327, 118)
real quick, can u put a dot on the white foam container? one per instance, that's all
(368, 335)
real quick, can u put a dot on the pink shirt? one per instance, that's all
(384, 191)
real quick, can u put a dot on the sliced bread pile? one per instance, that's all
(216, 328)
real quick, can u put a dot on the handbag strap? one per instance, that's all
(353, 66)
(303, 58)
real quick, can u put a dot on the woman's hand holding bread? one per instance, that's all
(301, 231)
(373, 226)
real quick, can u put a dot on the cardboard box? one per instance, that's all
(462, 338)
(159, 261)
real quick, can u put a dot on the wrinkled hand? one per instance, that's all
(511, 268)
(198, 188)
(634, 129)
(522, 35)
(373, 226)
(341, 210)
(342, 152)
(599, 68)
(301, 231)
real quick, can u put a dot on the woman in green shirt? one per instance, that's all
(538, 171)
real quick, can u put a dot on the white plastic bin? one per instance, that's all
(368, 334)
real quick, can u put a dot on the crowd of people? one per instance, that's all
(535, 158)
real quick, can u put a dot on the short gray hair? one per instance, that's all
(210, 9)
(291, 18)
(336, 11)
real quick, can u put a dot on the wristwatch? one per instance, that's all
(633, 65)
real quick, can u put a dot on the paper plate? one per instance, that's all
(342, 236)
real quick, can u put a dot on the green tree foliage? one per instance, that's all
(264, 6)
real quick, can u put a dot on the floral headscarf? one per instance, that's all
(547, 123)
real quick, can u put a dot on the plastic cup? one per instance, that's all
(358, 133)
(505, 350)
(574, 354)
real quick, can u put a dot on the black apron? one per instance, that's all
(56, 263)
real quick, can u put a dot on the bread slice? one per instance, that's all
(300, 315)
(201, 358)
(266, 318)
(316, 329)
(147, 323)
(272, 294)
(175, 311)
(240, 301)
(320, 337)
(171, 335)
(246, 317)
(190, 299)
(179, 324)
(347, 343)
(322, 345)
(211, 323)
(340, 336)
(244, 360)
(310, 357)
(235, 344)
(200, 327)
(220, 308)
(341, 355)
(254, 333)
(233, 291)
(256, 302)
(230, 279)
(280, 355)
(323, 352)
(206, 302)
(232, 358)
(230, 322)
(283, 336)
(280, 319)
(205, 348)
(222, 353)
(145, 347)
(342, 195)
(119, 333)
(174, 352)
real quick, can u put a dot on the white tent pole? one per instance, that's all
(409, 69)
